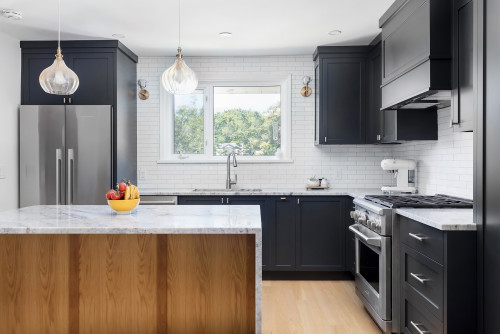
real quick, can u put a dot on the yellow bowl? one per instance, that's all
(122, 206)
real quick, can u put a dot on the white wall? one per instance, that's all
(345, 166)
(444, 166)
(10, 98)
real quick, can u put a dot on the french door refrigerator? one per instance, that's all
(66, 154)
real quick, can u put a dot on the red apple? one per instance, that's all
(115, 195)
(108, 194)
(122, 186)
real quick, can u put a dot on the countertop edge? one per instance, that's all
(433, 223)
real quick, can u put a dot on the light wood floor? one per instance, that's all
(313, 307)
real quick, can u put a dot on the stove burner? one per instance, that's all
(420, 201)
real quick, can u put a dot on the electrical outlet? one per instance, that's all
(2, 172)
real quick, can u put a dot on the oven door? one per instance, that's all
(373, 271)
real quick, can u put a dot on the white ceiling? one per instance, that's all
(259, 27)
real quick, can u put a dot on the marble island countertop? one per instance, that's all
(353, 192)
(151, 219)
(442, 219)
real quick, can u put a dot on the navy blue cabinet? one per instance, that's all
(320, 233)
(340, 94)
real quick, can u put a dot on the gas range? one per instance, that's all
(375, 211)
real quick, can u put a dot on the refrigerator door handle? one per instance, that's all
(58, 175)
(69, 171)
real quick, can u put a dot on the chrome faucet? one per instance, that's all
(230, 182)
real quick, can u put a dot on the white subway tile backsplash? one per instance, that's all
(444, 166)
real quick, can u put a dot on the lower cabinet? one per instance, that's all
(437, 279)
(283, 240)
(305, 233)
(320, 234)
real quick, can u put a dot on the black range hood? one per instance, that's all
(417, 54)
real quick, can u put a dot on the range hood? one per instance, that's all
(417, 55)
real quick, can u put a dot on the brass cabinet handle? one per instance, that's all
(222, 200)
(227, 200)
(283, 198)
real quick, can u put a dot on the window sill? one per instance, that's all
(223, 161)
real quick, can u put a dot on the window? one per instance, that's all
(249, 118)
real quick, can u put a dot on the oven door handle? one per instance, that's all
(376, 242)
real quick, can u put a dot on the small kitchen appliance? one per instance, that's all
(404, 172)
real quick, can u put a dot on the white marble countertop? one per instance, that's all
(353, 192)
(442, 219)
(151, 219)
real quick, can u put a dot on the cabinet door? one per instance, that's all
(283, 242)
(267, 223)
(96, 74)
(320, 234)
(463, 65)
(374, 116)
(343, 100)
(201, 200)
(32, 92)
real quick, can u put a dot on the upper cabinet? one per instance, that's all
(96, 63)
(464, 64)
(348, 100)
(416, 54)
(340, 94)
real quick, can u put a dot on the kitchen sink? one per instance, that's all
(227, 190)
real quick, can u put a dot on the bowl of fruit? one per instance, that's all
(124, 198)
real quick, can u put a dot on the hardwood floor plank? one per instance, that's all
(303, 307)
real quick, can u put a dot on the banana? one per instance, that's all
(127, 192)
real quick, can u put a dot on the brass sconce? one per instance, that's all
(306, 90)
(143, 93)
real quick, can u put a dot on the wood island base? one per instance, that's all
(127, 283)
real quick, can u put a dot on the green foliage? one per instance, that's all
(244, 131)
(189, 130)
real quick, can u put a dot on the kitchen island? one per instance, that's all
(162, 269)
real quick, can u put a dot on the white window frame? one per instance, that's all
(167, 156)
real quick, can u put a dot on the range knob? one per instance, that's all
(354, 214)
(362, 220)
(378, 227)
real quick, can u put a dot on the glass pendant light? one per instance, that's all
(179, 78)
(58, 78)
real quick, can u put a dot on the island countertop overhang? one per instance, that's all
(151, 219)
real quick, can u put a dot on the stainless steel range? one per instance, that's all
(375, 245)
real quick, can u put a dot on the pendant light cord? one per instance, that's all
(179, 23)
(59, 26)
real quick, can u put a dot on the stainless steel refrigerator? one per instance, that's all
(66, 154)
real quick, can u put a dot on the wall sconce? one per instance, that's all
(143, 93)
(306, 90)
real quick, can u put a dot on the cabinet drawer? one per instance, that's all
(424, 279)
(417, 320)
(422, 238)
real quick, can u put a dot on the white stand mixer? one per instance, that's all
(404, 170)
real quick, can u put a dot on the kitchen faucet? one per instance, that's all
(230, 182)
